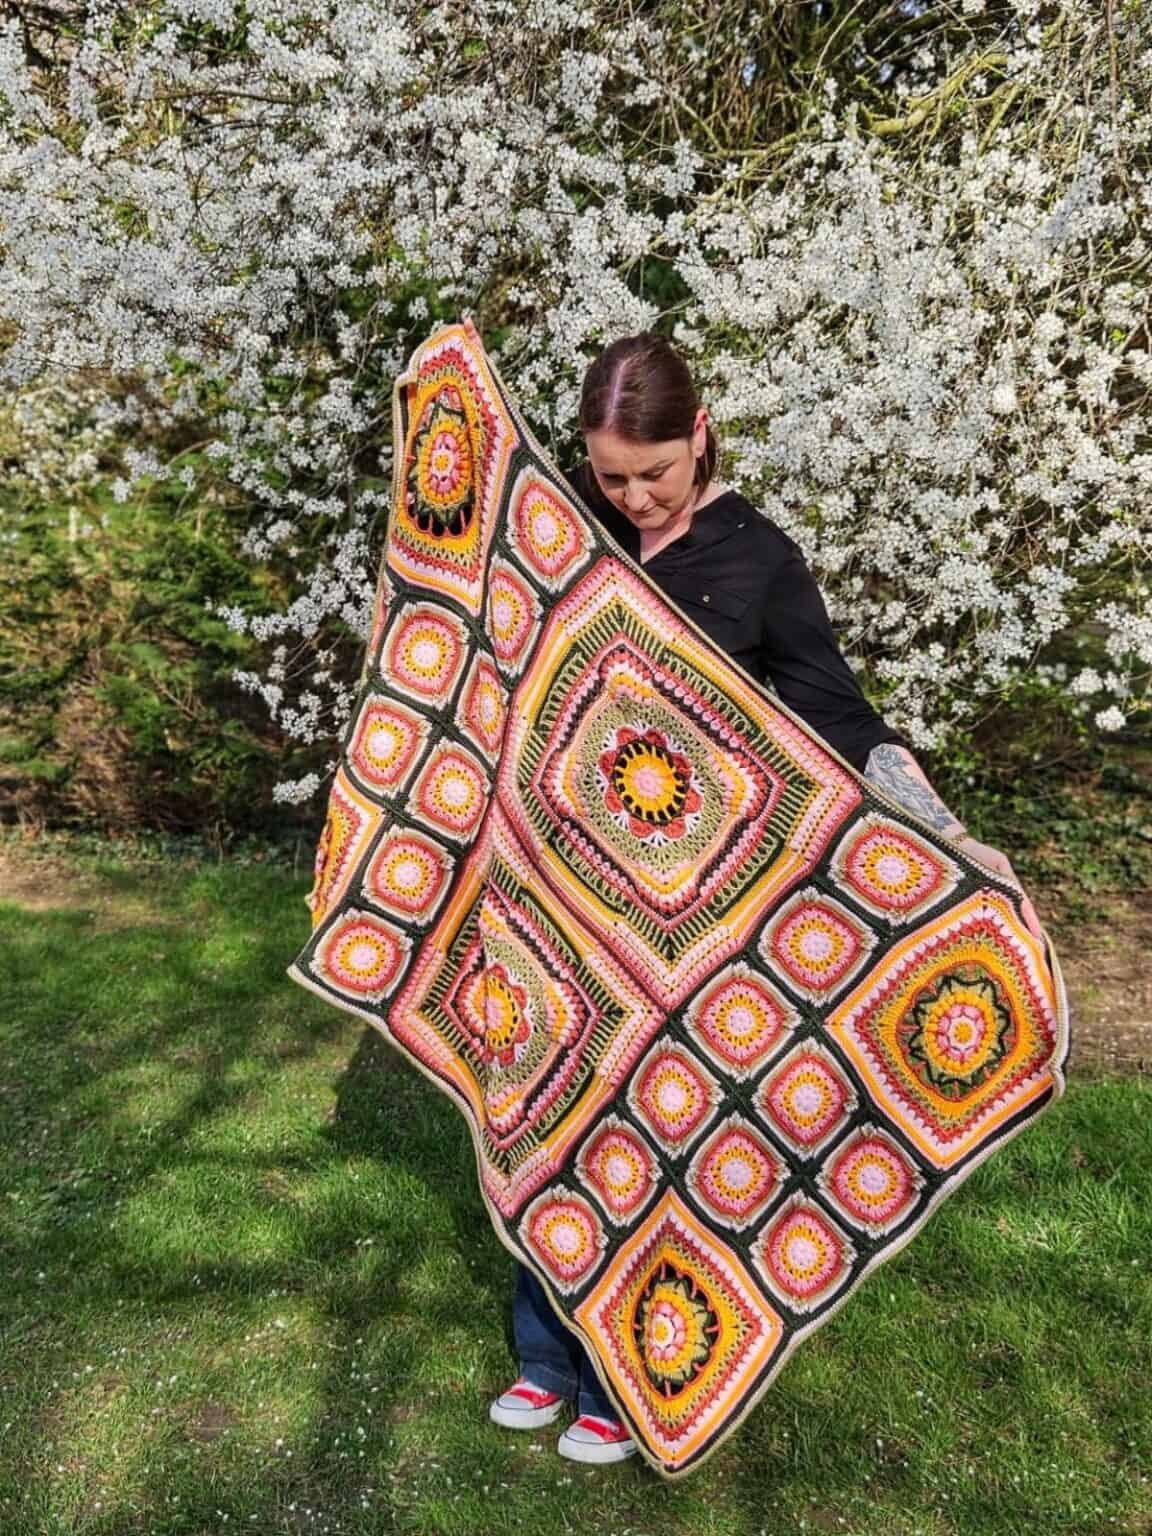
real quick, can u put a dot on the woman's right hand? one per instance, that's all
(998, 862)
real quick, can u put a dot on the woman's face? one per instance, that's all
(651, 483)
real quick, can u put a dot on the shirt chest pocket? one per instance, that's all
(715, 609)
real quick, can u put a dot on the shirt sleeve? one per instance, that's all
(805, 665)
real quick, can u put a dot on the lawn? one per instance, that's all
(249, 1283)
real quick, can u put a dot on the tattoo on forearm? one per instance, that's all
(894, 770)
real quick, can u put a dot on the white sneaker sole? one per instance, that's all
(526, 1418)
(599, 1452)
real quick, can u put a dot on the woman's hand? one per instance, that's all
(993, 859)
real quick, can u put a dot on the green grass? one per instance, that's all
(249, 1284)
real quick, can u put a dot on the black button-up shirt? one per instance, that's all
(746, 584)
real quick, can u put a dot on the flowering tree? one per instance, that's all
(905, 251)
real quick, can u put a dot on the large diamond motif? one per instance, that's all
(457, 443)
(668, 811)
(682, 1328)
(503, 1005)
(954, 1031)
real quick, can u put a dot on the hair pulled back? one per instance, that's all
(641, 388)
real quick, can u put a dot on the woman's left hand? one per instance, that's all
(995, 860)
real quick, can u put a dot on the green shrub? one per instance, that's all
(117, 704)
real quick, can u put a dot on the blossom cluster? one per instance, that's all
(928, 358)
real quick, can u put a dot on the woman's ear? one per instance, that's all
(700, 433)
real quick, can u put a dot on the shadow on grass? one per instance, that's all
(193, 1143)
(126, 1047)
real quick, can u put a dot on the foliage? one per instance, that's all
(117, 702)
(1077, 835)
(904, 246)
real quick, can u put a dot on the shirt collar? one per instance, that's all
(711, 525)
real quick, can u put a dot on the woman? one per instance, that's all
(744, 582)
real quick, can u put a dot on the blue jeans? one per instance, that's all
(551, 1355)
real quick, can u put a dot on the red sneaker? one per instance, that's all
(590, 1438)
(526, 1406)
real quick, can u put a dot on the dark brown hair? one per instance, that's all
(642, 388)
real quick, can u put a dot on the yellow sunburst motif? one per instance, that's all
(648, 780)
(621, 1170)
(806, 1251)
(678, 1330)
(890, 867)
(815, 944)
(647, 783)
(424, 652)
(961, 1031)
(444, 466)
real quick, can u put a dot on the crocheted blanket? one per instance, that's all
(726, 1023)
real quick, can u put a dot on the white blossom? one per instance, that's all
(929, 370)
